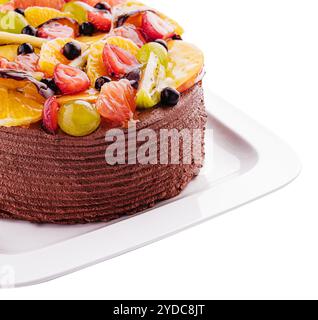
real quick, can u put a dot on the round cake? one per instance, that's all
(69, 97)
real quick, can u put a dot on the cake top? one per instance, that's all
(71, 65)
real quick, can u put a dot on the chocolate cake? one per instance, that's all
(62, 95)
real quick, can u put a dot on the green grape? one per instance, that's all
(78, 10)
(78, 118)
(157, 49)
(12, 22)
(149, 91)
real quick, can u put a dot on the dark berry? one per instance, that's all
(51, 84)
(176, 37)
(101, 81)
(25, 48)
(87, 29)
(102, 6)
(170, 97)
(72, 50)
(29, 30)
(134, 78)
(19, 10)
(163, 43)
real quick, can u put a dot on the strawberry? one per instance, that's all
(23, 4)
(131, 32)
(118, 62)
(50, 115)
(102, 20)
(116, 102)
(70, 80)
(156, 28)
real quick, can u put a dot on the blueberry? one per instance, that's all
(170, 97)
(72, 50)
(100, 82)
(134, 77)
(87, 29)
(163, 43)
(51, 84)
(25, 48)
(102, 6)
(29, 30)
(19, 10)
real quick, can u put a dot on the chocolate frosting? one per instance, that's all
(66, 180)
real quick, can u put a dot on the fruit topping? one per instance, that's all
(39, 15)
(101, 81)
(18, 81)
(59, 28)
(118, 61)
(70, 80)
(87, 29)
(157, 49)
(50, 115)
(116, 102)
(187, 62)
(9, 38)
(134, 77)
(72, 50)
(170, 97)
(25, 48)
(25, 62)
(124, 43)
(103, 6)
(156, 28)
(95, 66)
(131, 32)
(101, 20)
(78, 10)
(12, 22)
(78, 118)
(19, 10)
(29, 30)
(163, 43)
(56, 4)
(51, 54)
(149, 91)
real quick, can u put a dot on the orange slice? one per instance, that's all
(21, 104)
(95, 67)
(39, 15)
(186, 62)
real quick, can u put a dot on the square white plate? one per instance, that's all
(244, 162)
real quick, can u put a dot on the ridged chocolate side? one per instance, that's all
(62, 179)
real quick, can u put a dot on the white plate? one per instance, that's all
(244, 162)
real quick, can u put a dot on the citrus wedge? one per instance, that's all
(124, 43)
(21, 104)
(186, 62)
(39, 15)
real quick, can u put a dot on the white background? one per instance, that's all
(262, 56)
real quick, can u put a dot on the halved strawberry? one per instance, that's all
(70, 80)
(131, 32)
(118, 62)
(156, 28)
(59, 28)
(102, 20)
(116, 102)
(50, 115)
(56, 4)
